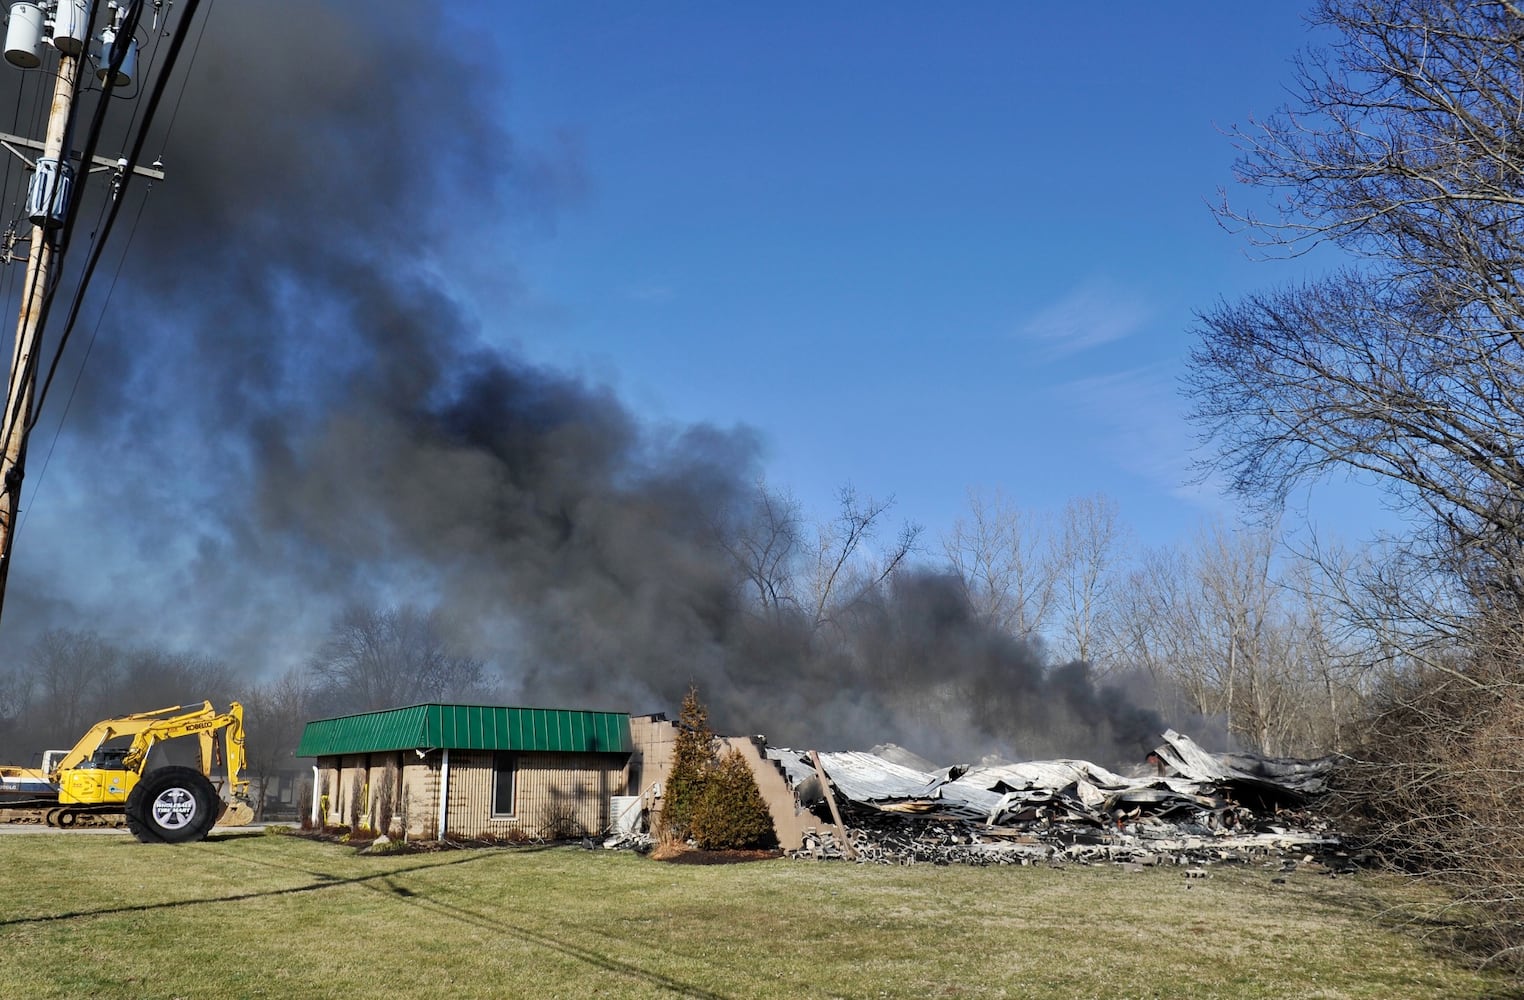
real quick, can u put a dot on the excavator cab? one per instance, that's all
(103, 777)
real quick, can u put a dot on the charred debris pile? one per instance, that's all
(1184, 806)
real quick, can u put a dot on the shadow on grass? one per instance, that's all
(385, 883)
(221, 837)
(325, 881)
(588, 956)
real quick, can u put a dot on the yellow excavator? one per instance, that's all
(104, 779)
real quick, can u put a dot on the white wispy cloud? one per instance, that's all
(1090, 315)
(1146, 429)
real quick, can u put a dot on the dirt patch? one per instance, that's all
(679, 854)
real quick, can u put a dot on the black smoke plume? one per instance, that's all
(288, 410)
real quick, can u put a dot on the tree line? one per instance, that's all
(371, 659)
(1230, 626)
(1212, 629)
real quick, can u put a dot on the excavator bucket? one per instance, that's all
(236, 813)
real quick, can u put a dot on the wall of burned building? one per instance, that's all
(652, 739)
(790, 820)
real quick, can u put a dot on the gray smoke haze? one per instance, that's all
(290, 411)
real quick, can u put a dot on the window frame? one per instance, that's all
(505, 764)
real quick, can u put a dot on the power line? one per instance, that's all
(79, 374)
(182, 29)
(87, 156)
(17, 422)
(189, 69)
(49, 196)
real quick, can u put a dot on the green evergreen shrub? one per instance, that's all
(730, 813)
(692, 758)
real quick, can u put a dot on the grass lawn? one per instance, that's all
(102, 916)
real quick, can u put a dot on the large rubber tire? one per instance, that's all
(172, 805)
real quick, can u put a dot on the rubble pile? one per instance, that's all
(1187, 807)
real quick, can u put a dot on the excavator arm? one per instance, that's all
(204, 725)
(132, 725)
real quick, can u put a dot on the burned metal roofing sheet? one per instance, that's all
(1293, 779)
(468, 727)
(793, 764)
(864, 777)
(1061, 809)
(1040, 774)
(1189, 760)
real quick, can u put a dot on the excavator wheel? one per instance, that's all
(172, 805)
(67, 818)
(50, 817)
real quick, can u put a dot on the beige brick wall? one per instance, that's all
(651, 739)
(553, 792)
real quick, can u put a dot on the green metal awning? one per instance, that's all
(468, 727)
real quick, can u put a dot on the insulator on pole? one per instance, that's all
(23, 36)
(47, 196)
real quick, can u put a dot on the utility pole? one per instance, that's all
(39, 261)
(65, 26)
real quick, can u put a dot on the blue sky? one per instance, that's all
(920, 250)
(915, 251)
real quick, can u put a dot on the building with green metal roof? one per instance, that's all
(468, 727)
(469, 771)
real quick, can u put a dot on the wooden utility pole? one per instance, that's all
(23, 383)
(68, 29)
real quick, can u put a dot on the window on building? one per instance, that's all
(503, 769)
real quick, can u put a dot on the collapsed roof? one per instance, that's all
(1183, 797)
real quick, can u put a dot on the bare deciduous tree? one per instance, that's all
(843, 571)
(75, 674)
(1402, 148)
(1335, 658)
(1252, 645)
(1004, 558)
(385, 659)
(1158, 628)
(158, 678)
(765, 543)
(274, 715)
(783, 573)
(1086, 558)
(1223, 636)
(70, 680)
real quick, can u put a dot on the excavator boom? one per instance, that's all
(128, 725)
(204, 724)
